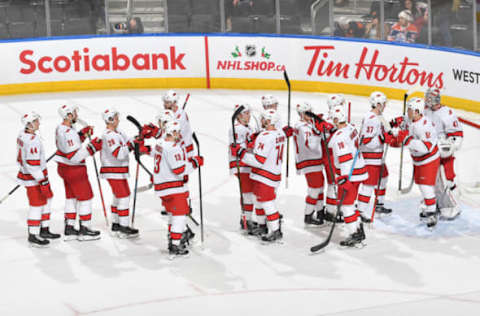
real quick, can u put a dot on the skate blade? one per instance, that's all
(70, 238)
(32, 245)
(275, 242)
(359, 245)
(88, 238)
(128, 236)
(177, 257)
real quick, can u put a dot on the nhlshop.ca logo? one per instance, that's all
(369, 67)
(254, 60)
(112, 61)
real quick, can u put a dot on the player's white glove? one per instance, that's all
(456, 142)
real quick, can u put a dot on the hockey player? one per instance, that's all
(269, 102)
(33, 175)
(309, 162)
(371, 149)
(170, 167)
(420, 137)
(243, 133)
(170, 100)
(344, 144)
(70, 157)
(152, 130)
(114, 157)
(266, 162)
(450, 137)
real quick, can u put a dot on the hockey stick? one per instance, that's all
(82, 122)
(287, 81)
(382, 168)
(195, 139)
(186, 100)
(18, 185)
(242, 204)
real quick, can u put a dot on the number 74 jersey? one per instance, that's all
(267, 157)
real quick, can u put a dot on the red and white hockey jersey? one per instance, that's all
(266, 158)
(170, 166)
(114, 155)
(422, 141)
(445, 121)
(243, 134)
(373, 140)
(69, 146)
(185, 131)
(308, 152)
(30, 159)
(344, 144)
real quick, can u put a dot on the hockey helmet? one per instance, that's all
(432, 97)
(171, 127)
(29, 117)
(170, 96)
(246, 107)
(165, 116)
(109, 114)
(377, 98)
(270, 115)
(65, 109)
(268, 100)
(416, 104)
(335, 100)
(406, 14)
(304, 107)
(338, 112)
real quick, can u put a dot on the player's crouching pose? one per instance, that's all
(170, 167)
(33, 176)
(70, 157)
(115, 162)
(372, 152)
(420, 137)
(266, 162)
(243, 132)
(309, 162)
(344, 143)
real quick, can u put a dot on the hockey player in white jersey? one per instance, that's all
(450, 137)
(170, 166)
(114, 156)
(344, 145)
(420, 137)
(33, 175)
(170, 100)
(152, 130)
(309, 162)
(243, 133)
(372, 148)
(70, 157)
(266, 162)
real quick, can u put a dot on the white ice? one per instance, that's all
(404, 269)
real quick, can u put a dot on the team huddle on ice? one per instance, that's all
(173, 159)
(351, 160)
(353, 163)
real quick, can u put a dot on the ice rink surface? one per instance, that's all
(404, 269)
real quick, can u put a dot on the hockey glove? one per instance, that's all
(344, 184)
(85, 132)
(149, 131)
(322, 126)
(288, 131)
(45, 189)
(142, 148)
(237, 151)
(94, 146)
(396, 122)
(197, 161)
(251, 140)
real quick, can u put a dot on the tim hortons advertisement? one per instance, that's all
(103, 58)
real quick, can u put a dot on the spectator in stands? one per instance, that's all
(419, 12)
(237, 8)
(347, 28)
(403, 31)
(133, 25)
(442, 11)
(372, 28)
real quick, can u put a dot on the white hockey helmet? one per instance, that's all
(268, 100)
(65, 109)
(335, 100)
(29, 117)
(170, 96)
(246, 107)
(270, 115)
(109, 114)
(416, 104)
(165, 116)
(172, 126)
(304, 107)
(432, 97)
(377, 98)
(338, 112)
(406, 14)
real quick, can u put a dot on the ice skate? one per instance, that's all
(320, 215)
(355, 239)
(430, 219)
(86, 234)
(175, 251)
(329, 217)
(126, 232)
(46, 234)
(309, 220)
(382, 210)
(70, 233)
(274, 236)
(115, 229)
(259, 231)
(37, 242)
(187, 236)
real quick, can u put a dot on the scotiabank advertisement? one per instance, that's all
(307, 60)
(102, 58)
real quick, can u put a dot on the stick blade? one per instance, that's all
(319, 247)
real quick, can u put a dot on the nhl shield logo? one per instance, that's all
(250, 50)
